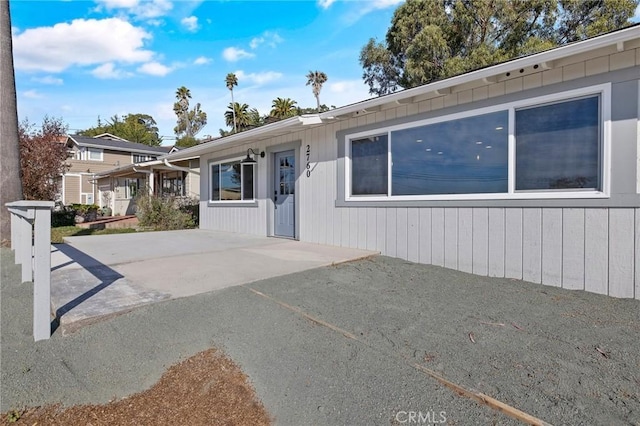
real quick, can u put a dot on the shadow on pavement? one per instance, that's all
(102, 272)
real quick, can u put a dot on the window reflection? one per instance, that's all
(369, 166)
(463, 156)
(558, 145)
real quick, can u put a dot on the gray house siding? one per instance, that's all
(574, 243)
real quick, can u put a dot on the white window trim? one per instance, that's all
(83, 154)
(147, 157)
(604, 90)
(227, 161)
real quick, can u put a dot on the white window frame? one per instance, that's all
(84, 154)
(147, 157)
(241, 201)
(603, 90)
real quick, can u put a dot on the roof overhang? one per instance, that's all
(616, 41)
(544, 60)
(268, 131)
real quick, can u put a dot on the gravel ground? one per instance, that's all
(564, 357)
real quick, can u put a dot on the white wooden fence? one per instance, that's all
(31, 241)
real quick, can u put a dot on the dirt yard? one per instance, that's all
(206, 389)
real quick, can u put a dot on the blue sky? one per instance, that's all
(78, 60)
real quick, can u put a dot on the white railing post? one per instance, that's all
(31, 240)
(26, 252)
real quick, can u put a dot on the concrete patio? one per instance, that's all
(97, 277)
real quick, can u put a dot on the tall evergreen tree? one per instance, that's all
(430, 40)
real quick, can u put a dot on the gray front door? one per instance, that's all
(284, 195)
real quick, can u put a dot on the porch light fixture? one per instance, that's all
(250, 160)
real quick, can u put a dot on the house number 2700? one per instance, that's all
(308, 160)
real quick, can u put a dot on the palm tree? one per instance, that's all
(238, 113)
(316, 79)
(255, 119)
(283, 108)
(181, 108)
(9, 142)
(231, 80)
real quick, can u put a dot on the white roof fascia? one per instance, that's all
(128, 166)
(256, 134)
(547, 56)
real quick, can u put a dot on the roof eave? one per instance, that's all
(439, 88)
(257, 134)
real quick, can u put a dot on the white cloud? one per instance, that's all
(108, 71)
(48, 80)
(190, 23)
(32, 94)
(272, 39)
(368, 7)
(202, 60)
(325, 4)
(233, 54)
(258, 78)
(155, 68)
(137, 8)
(82, 42)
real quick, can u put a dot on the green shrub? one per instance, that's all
(63, 217)
(82, 209)
(162, 213)
(190, 205)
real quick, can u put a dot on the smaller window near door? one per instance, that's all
(232, 181)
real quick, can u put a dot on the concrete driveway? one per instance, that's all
(95, 277)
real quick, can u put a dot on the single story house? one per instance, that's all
(529, 169)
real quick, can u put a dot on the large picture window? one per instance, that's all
(232, 181)
(558, 146)
(464, 156)
(553, 146)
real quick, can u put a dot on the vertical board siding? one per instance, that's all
(391, 232)
(621, 255)
(353, 227)
(451, 238)
(496, 257)
(344, 220)
(573, 249)
(372, 229)
(437, 236)
(424, 217)
(532, 245)
(362, 228)
(465, 239)
(402, 224)
(481, 241)
(381, 220)
(513, 243)
(413, 235)
(552, 247)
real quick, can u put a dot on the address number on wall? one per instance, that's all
(308, 167)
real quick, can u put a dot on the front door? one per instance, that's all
(284, 194)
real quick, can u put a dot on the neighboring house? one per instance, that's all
(158, 177)
(529, 169)
(89, 156)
